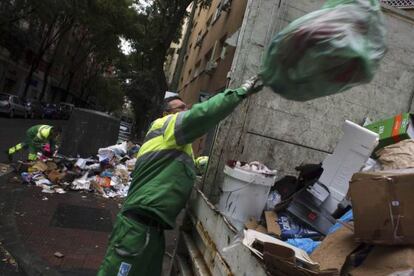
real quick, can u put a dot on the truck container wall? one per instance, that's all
(282, 133)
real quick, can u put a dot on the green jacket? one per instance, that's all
(164, 173)
(39, 135)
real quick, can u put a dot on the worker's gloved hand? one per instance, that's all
(252, 85)
(201, 164)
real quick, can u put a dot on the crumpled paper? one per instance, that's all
(397, 156)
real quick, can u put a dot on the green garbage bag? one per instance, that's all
(327, 51)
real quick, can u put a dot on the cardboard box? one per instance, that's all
(393, 130)
(383, 207)
(334, 249)
(386, 260)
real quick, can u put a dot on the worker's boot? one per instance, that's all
(9, 156)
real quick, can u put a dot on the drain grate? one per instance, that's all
(81, 217)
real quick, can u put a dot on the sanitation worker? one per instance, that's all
(36, 138)
(162, 181)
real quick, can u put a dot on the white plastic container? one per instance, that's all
(349, 156)
(244, 195)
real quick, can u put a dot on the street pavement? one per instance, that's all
(56, 234)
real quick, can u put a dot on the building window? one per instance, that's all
(207, 57)
(225, 6)
(223, 47)
(200, 38)
(197, 69)
(208, 23)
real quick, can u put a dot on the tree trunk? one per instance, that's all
(68, 86)
(49, 67)
(44, 45)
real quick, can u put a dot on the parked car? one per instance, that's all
(65, 110)
(34, 108)
(50, 111)
(12, 105)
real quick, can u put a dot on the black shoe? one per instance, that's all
(9, 156)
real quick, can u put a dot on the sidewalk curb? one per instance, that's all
(30, 264)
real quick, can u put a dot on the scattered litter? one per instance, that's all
(131, 164)
(5, 168)
(81, 183)
(58, 255)
(81, 163)
(45, 198)
(60, 191)
(48, 191)
(254, 166)
(273, 199)
(43, 181)
(306, 244)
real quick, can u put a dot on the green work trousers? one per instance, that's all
(32, 147)
(134, 249)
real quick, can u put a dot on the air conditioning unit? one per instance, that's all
(210, 67)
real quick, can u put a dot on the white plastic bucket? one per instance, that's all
(244, 195)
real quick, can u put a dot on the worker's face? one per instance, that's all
(176, 106)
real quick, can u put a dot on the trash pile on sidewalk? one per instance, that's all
(107, 175)
(353, 214)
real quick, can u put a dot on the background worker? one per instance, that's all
(36, 138)
(162, 182)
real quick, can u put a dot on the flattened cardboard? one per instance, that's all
(280, 260)
(253, 224)
(271, 223)
(334, 249)
(384, 260)
(383, 207)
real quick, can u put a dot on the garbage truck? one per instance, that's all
(283, 134)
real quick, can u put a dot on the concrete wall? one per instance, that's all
(84, 133)
(283, 133)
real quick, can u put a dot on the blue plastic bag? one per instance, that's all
(306, 244)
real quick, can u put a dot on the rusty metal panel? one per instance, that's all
(212, 233)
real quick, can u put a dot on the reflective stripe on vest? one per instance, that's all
(32, 157)
(43, 132)
(164, 144)
(172, 153)
(157, 132)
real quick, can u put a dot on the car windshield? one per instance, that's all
(4, 97)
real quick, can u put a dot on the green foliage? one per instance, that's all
(158, 23)
(77, 37)
(108, 93)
